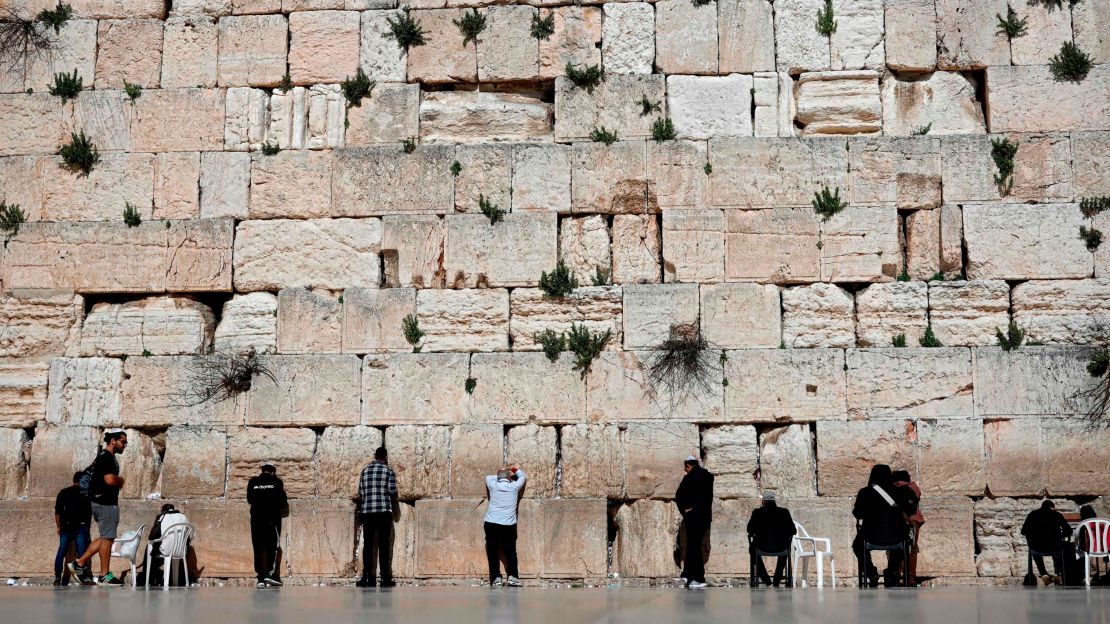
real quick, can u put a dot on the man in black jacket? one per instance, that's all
(269, 504)
(772, 530)
(1046, 530)
(882, 508)
(72, 517)
(695, 502)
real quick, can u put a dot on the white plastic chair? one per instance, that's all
(177, 537)
(126, 547)
(805, 547)
(1096, 530)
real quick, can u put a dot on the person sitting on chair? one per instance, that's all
(882, 508)
(169, 517)
(1046, 530)
(771, 529)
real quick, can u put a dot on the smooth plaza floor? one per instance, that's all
(320, 605)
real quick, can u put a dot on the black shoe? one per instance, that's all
(389, 584)
(364, 582)
(58, 581)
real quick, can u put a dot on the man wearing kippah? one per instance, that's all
(104, 487)
(695, 502)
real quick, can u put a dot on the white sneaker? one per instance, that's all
(696, 585)
(496, 582)
(261, 585)
(683, 580)
(513, 582)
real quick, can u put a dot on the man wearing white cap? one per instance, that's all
(695, 502)
(269, 504)
(104, 484)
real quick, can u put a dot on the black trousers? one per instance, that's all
(265, 535)
(1057, 564)
(893, 571)
(693, 569)
(501, 538)
(377, 539)
(761, 570)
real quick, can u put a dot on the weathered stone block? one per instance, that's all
(225, 184)
(944, 102)
(306, 390)
(372, 319)
(593, 461)
(163, 391)
(252, 50)
(29, 554)
(342, 454)
(711, 106)
(739, 316)
(884, 311)
(628, 38)
(911, 35)
(178, 120)
(620, 389)
(1075, 457)
(141, 471)
(247, 116)
(190, 52)
(1047, 28)
(195, 463)
(319, 539)
(404, 388)
(513, 252)
(309, 321)
(13, 463)
(732, 455)
(23, 395)
(966, 37)
(1020, 103)
(655, 455)
(290, 450)
(584, 247)
(540, 178)
(74, 49)
(839, 102)
(1014, 457)
(728, 537)
(503, 54)
(379, 55)
(153, 326)
(1062, 312)
(533, 448)
(685, 37)
(445, 58)
(646, 531)
(778, 245)
(248, 322)
(323, 46)
(39, 327)
(612, 179)
(129, 50)
(951, 457)
(598, 308)
(677, 172)
(381, 180)
(97, 196)
(413, 251)
(420, 456)
(860, 244)
(1042, 169)
(968, 170)
(859, 40)
(471, 116)
(896, 171)
(947, 547)
(847, 450)
(821, 315)
(799, 47)
(326, 253)
(761, 173)
(525, 387)
(909, 383)
(787, 462)
(449, 538)
(923, 244)
(746, 36)
(1012, 242)
(57, 453)
(105, 117)
(650, 310)
(637, 248)
(485, 172)
(577, 39)
(1091, 29)
(693, 245)
(464, 320)
(785, 384)
(614, 104)
(1030, 381)
(389, 116)
(32, 124)
(968, 313)
(291, 184)
(476, 451)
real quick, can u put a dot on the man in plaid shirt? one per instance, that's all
(377, 496)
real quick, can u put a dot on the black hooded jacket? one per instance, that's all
(696, 494)
(881, 522)
(266, 495)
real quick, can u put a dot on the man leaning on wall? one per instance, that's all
(378, 508)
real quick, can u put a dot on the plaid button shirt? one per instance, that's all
(377, 485)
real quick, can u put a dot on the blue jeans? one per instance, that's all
(78, 537)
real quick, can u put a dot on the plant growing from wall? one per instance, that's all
(456, 168)
(922, 130)
(1012, 26)
(904, 276)
(11, 217)
(708, 169)
(408, 145)
(1003, 152)
(663, 130)
(929, 339)
(826, 20)
(601, 135)
(701, 3)
(1012, 339)
(131, 215)
(493, 212)
(1053, 4)
(270, 149)
(406, 31)
(1092, 237)
(470, 25)
(683, 364)
(586, 346)
(603, 276)
(133, 91)
(220, 377)
(1097, 397)
(559, 283)
(899, 341)
(827, 203)
(22, 38)
(286, 83)
(67, 86)
(1092, 206)
(543, 27)
(470, 384)
(553, 343)
(1071, 64)
(354, 89)
(588, 78)
(937, 277)
(648, 107)
(79, 154)
(410, 327)
(57, 17)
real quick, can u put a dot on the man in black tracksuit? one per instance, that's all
(695, 502)
(269, 504)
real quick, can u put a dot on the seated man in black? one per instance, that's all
(882, 508)
(1046, 530)
(771, 529)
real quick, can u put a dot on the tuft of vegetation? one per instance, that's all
(456, 168)
(11, 217)
(56, 17)
(131, 215)
(67, 86)
(470, 25)
(286, 83)
(410, 326)
(559, 283)
(701, 3)
(899, 341)
(470, 385)
(601, 135)
(220, 377)
(663, 130)
(270, 149)
(827, 203)
(491, 210)
(826, 20)
(1012, 26)
(147, 353)
(406, 31)
(1012, 339)
(408, 145)
(1092, 206)
(1098, 395)
(1003, 152)
(1071, 64)
(929, 339)
(543, 27)
(22, 38)
(79, 154)
(1052, 4)
(904, 276)
(937, 277)
(708, 169)
(354, 89)
(588, 78)
(133, 91)
(683, 363)
(586, 346)
(922, 130)
(553, 343)
(1099, 363)
(603, 276)
(1093, 237)
(648, 107)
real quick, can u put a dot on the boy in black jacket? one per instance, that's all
(72, 516)
(269, 504)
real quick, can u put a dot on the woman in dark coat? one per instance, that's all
(881, 509)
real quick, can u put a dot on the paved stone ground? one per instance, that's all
(562, 606)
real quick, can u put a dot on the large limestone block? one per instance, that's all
(412, 251)
(948, 546)
(57, 453)
(379, 56)
(1021, 103)
(341, 455)
(728, 537)
(968, 313)
(846, 451)
(997, 526)
(1062, 312)
(764, 173)
(513, 252)
(27, 553)
(31, 124)
(382, 180)
(1014, 457)
(323, 46)
(540, 178)
(420, 456)
(740, 316)
(966, 34)
(22, 179)
(153, 326)
(612, 179)
(404, 543)
(373, 319)
(577, 39)
(646, 534)
(942, 102)
(651, 310)
(533, 448)
(231, 557)
(143, 468)
(195, 463)
(1091, 28)
(951, 457)
(101, 195)
(798, 45)
(621, 389)
(73, 49)
(319, 538)
(1014, 242)
(406, 388)
(246, 120)
(1048, 27)
(444, 58)
(968, 170)
(23, 395)
(113, 9)
(839, 102)
(190, 52)
(476, 452)
(112, 257)
(163, 391)
(38, 327)
(326, 253)
(1076, 457)
(248, 322)
(693, 245)
(129, 50)
(84, 391)
(584, 247)
(1042, 169)
(291, 184)
(105, 116)
(677, 170)
(478, 116)
(628, 38)
(598, 308)
(252, 50)
(830, 517)
(708, 107)
(909, 383)
(614, 105)
(821, 315)
(860, 244)
(309, 321)
(637, 248)
(573, 538)
(770, 385)
(859, 40)
(884, 311)
(464, 320)
(732, 455)
(592, 461)
(225, 184)
(290, 450)
(503, 53)
(787, 462)
(311, 390)
(685, 37)
(526, 387)
(746, 35)
(774, 104)
(449, 538)
(1031, 381)
(911, 35)
(923, 244)
(485, 172)
(778, 245)
(655, 454)
(178, 120)
(13, 462)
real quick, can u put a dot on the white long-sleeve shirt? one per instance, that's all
(503, 497)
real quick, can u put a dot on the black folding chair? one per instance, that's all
(753, 555)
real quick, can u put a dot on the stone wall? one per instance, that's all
(277, 216)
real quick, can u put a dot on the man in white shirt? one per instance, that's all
(500, 525)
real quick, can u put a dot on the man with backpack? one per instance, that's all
(71, 517)
(269, 504)
(103, 486)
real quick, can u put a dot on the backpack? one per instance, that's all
(86, 479)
